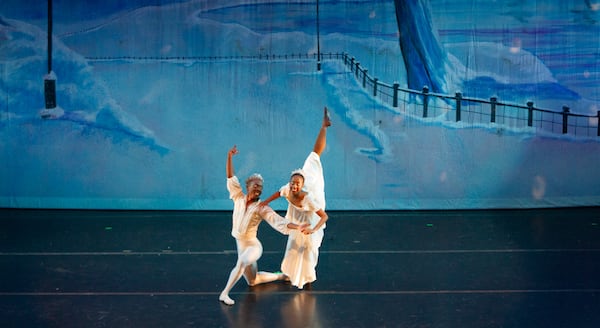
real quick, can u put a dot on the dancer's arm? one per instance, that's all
(229, 166)
(278, 222)
(324, 217)
(271, 198)
(275, 220)
(233, 184)
(301, 227)
(293, 226)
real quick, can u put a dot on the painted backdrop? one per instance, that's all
(150, 95)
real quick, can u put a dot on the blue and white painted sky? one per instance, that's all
(154, 133)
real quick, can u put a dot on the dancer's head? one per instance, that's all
(254, 186)
(296, 181)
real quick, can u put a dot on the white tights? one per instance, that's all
(249, 251)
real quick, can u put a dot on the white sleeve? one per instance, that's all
(234, 188)
(275, 220)
(284, 191)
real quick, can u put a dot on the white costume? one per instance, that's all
(302, 251)
(246, 220)
(244, 229)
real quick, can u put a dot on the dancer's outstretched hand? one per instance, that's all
(233, 151)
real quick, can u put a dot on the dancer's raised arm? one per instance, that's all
(229, 166)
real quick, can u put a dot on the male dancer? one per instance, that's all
(247, 215)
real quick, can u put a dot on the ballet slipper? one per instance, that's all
(226, 299)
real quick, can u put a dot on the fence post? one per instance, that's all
(565, 119)
(365, 78)
(425, 100)
(357, 69)
(375, 87)
(493, 101)
(352, 64)
(396, 86)
(530, 113)
(458, 104)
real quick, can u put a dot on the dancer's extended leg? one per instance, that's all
(321, 141)
(262, 277)
(234, 276)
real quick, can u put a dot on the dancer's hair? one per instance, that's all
(297, 172)
(255, 176)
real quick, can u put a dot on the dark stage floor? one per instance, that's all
(521, 268)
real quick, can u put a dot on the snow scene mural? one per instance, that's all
(435, 104)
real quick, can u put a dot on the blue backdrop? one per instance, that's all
(151, 94)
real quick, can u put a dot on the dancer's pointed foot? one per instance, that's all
(226, 299)
(326, 118)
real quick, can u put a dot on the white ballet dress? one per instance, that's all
(302, 251)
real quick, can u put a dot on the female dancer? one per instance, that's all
(305, 193)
